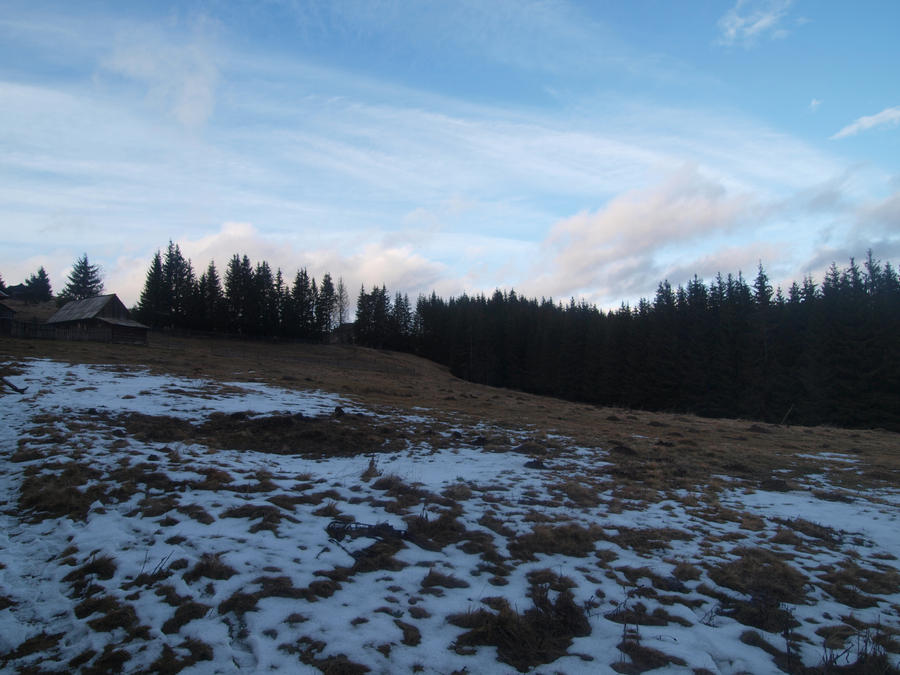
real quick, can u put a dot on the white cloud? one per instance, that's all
(180, 72)
(750, 20)
(400, 268)
(887, 117)
(620, 250)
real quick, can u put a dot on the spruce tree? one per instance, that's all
(238, 294)
(211, 299)
(304, 307)
(180, 285)
(342, 300)
(85, 281)
(37, 287)
(153, 304)
(2, 285)
(325, 303)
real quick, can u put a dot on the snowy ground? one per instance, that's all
(150, 524)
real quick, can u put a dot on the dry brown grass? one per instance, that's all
(309, 652)
(540, 634)
(569, 539)
(209, 566)
(643, 658)
(675, 451)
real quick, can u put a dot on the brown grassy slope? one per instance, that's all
(653, 449)
(26, 311)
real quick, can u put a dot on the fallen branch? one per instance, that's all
(12, 386)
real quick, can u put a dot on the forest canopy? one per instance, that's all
(820, 353)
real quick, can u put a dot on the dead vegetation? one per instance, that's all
(540, 634)
(568, 539)
(693, 448)
(649, 457)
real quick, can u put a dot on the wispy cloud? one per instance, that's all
(179, 70)
(815, 104)
(887, 117)
(750, 20)
(619, 249)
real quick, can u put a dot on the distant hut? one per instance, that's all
(17, 292)
(7, 316)
(102, 319)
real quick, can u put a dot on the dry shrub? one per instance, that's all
(436, 533)
(94, 604)
(405, 495)
(269, 517)
(120, 616)
(61, 490)
(582, 495)
(43, 642)
(458, 491)
(549, 578)
(184, 614)
(435, 578)
(768, 581)
(278, 587)
(643, 658)
(849, 583)
(372, 471)
(788, 662)
(411, 634)
(646, 541)
(569, 539)
(758, 572)
(670, 584)
(330, 510)
(786, 537)
(239, 603)
(213, 479)
(284, 433)
(101, 567)
(198, 513)
(685, 571)
(26, 454)
(210, 566)
(170, 662)
(111, 660)
(308, 651)
(540, 634)
(379, 556)
(636, 614)
(127, 478)
(349, 434)
(492, 522)
(812, 530)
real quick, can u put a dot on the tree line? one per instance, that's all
(825, 353)
(84, 281)
(821, 353)
(249, 300)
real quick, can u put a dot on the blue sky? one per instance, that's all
(561, 148)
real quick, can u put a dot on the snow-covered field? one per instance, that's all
(149, 524)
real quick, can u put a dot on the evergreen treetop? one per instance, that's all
(85, 281)
(37, 287)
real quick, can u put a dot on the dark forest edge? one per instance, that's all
(825, 353)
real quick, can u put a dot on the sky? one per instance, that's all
(559, 148)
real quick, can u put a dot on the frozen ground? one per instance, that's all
(157, 524)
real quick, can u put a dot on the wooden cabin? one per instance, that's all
(101, 319)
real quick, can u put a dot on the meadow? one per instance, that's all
(224, 506)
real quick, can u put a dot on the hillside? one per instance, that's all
(165, 507)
